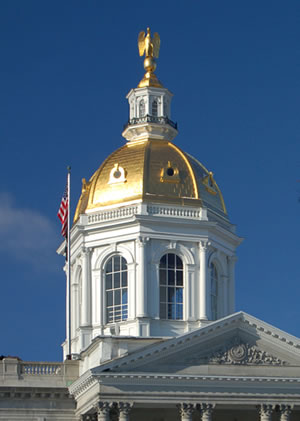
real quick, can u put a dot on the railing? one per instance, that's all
(42, 369)
(150, 119)
(172, 211)
(155, 210)
(113, 214)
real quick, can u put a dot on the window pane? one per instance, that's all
(179, 277)
(117, 265)
(179, 295)
(124, 279)
(109, 266)
(117, 297)
(154, 108)
(124, 296)
(117, 280)
(171, 311)
(109, 298)
(171, 295)
(163, 277)
(171, 277)
(171, 260)
(108, 281)
(123, 263)
(163, 262)
(163, 296)
(179, 264)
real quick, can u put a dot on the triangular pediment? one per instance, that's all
(231, 345)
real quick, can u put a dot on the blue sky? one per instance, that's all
(66, 67)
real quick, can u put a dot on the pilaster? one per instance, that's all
(203, 247)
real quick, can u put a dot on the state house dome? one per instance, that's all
(150, 171)
(149, 167)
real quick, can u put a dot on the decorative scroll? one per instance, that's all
(238, 352)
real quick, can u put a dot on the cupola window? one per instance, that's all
(171, 287)
(116, 289)
(214, 292)
(154, 108)
(142, 109)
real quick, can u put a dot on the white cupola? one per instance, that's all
(152, 248)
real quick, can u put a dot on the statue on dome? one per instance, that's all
(149, 46)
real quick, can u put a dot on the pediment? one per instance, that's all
(236, 344)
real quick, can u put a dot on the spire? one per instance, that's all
(150, 47)
(150, 102)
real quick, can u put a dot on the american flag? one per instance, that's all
(63, 213)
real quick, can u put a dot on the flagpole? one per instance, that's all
(69, 262)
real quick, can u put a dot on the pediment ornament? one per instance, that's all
(238, 352)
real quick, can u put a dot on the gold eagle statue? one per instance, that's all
(147, 45)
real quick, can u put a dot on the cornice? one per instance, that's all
(176, 344)
(81, 385)
(192, 378)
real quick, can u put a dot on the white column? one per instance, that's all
(231, 284)
(124, 410)
(156, 294)
(206, 411)
(225, 295)
(285, 412)
(265, 412)
(186, 411)
(191, 300)
(203, 246)
(141, 280)
(86, 289)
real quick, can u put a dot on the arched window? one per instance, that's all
(154, 108)
(142, 108)
(116, 289)
(171, 287)
(214, 292)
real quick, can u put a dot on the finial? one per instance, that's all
(150, 47)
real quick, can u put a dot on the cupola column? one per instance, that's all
(86, 289)
(203, 246)
(141, 279)
(231, 284)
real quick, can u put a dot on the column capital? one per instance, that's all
(206, 410)
(85, 251)
(103, 409)
(265, 412)
(204, 245)
(285, 412)
(89, 417)
(141, 241)
(124, 410)
(186, 410)
(232, 259)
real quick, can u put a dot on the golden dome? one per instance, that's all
(150, 171)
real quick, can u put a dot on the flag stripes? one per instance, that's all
(63, 213)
